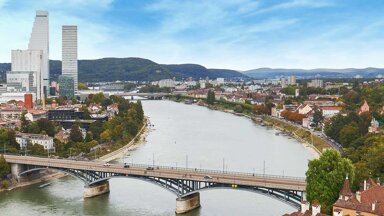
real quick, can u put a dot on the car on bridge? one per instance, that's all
(107, 164)
(207, 177)
(150, 168)
(126, 165)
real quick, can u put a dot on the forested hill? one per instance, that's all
(112, 69)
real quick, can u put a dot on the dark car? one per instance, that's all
(126, 166)
(149, 168)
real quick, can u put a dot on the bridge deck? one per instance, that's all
(245, 179)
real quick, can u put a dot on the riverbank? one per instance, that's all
(45, 178)
(138, 140)
(313, 143)
(119, 153)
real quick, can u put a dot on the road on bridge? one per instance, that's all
(234, 178)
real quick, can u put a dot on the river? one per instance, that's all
(182, 135)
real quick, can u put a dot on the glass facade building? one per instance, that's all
(66, 87)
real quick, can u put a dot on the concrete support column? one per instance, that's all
(187, 203)
(16, 169)
(96, 189)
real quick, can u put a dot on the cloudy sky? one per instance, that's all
(233, 34)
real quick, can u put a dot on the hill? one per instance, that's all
(321, 73)
(112, 69)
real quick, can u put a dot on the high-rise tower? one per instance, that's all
(40, 41)
(69, 53)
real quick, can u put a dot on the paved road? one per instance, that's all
(236, 178)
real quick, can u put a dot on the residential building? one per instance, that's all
(46, 141)
(297, 92)
(11, 114)
(329, 111)
(69, 53)
(316, 83)
(374, 128)
(34, 115)
(67, 87)
(368, 201)
(167, 83)
(18, 96)
(305, 210)
(364, 107)
(291, 80)
(220, 81)
(304, 109)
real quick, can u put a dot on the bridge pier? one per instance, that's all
(96, 189)
(16, 169)
(187, 203)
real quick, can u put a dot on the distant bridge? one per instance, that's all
(155, 95)
(185, 183)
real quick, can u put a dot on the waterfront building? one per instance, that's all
(46, 141)
(69, 53)
(40, 41)
(369, 200)
(67, 86)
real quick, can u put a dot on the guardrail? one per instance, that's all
(205, 171)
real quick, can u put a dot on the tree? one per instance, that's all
(24, 123)
(348, 134)
(211, 97)
(238, 109)
(317, 117)
(4, 167)
(260, 109)
(47, 126)
(76, 135)
(325, 177)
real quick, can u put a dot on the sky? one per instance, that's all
(232, 34)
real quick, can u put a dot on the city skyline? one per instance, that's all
(237, 35)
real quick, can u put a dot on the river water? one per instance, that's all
(182, 135)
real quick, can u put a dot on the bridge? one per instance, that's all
(184, 183)
(152, 96)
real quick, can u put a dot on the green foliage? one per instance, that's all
(238, 109)
(325, 177)
(154, 88)
(96, 98)
(75, 134)
(4, 184)
(82, 86)
(4, 167)
(367, 155)
(349, 133)
(47, 126)
(352, 123)
(211, 97)
(129, 86)
(317, 117)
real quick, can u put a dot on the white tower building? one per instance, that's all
(40, 41)
(69, 53)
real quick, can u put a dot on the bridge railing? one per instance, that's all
(205, 171)
(216, 171)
